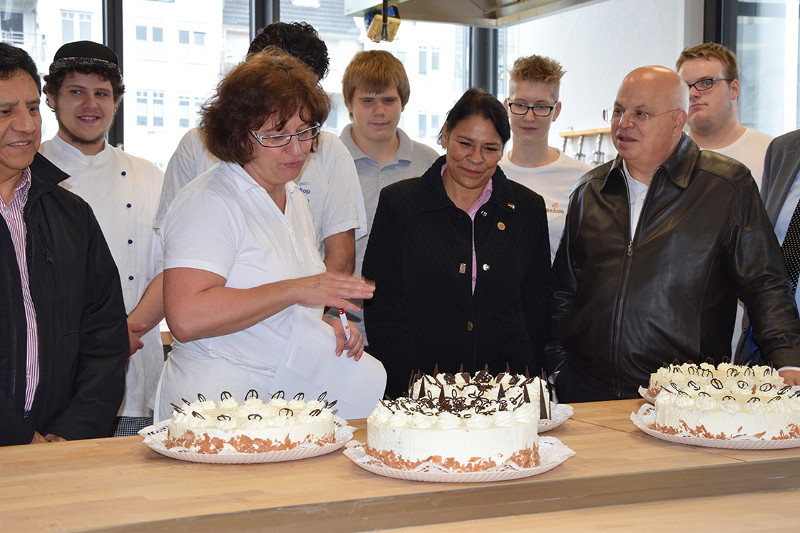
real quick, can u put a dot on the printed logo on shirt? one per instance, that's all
(305, 187)
(554, 209)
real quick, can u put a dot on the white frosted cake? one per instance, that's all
(472, 432)
(252, 427)
(714, 414)
(724, 377)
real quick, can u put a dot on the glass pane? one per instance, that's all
(42, 27)
(173, 66)
(767, 49)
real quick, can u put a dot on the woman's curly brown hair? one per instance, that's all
(269, 85)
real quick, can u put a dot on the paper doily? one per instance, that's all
(646, 417)
(560, 413)
(551, 452)
(155, 436)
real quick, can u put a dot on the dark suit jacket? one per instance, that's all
(781, 165)
(420, 257)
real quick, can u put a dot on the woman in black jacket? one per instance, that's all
(459, 257)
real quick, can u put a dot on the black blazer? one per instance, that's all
(419, 255)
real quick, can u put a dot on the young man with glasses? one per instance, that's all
(532, 106)
(711, 72)
(658, 244)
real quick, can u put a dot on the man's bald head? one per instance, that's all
(649, 115)
(665, 83)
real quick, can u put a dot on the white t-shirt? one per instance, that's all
(123, 192)
(328, 179)
(554, 182)
(749, 149)
(224, 222)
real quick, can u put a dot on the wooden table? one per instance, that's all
(121, 484)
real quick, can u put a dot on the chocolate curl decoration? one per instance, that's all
(436, 369)
(442, 397)
(461, 369)
(201, 397)
(252, 393)
(223, 417)
(785, 389)
(776, 398)
(224, 395)
(289, 412)
(421, 389)
(410, 384)
(754, 399)
(331, 404)
(198, 415)
(717, 384)
(544, 399)
(508, 368)
(501, 393)
(703, 393)
(732, 372)
(728, 397)
(765, 387)
(299, 396)
(280, 395)
(527, 374)
(525, 396)
(187, 402)
(254, 416)
(322, 396)
(177, 408)
(742, 384)
(749, 371)
(315, 412)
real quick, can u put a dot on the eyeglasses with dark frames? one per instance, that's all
(706, 83)
(539, 110)
(277, 141)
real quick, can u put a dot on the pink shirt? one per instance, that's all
(12, 214)
(482, 199)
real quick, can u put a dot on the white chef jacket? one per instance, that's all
(226, 223)
(123, 192)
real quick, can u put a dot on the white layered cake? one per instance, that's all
(252, 427)
(461, 429)
(713, 414)
(723, 378)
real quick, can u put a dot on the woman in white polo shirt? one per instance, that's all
(241, 269)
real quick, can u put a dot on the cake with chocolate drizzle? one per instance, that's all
(460, 422)
(254, 426)
(722, 410)
(733, 377)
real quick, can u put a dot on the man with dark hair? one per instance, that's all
(84, 88)
(328, 180)
(64, 340)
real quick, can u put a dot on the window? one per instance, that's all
(198, 103)
(141, 33)
(423, 125)
(12, 27)
(75, 26)
(183, 37)
(158, 35)
(183, 111)
(435, 59)
(199, 39)
(423, 61)
(158, 109)
(141, 108)
(435, 125)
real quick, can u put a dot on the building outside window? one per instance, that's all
(158, 109)
(141, 108)
(183, 111)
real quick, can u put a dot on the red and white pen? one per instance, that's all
(345, 324)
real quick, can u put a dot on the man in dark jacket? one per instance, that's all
(659, 243)
(63, 340)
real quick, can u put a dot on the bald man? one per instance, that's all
(658, 245)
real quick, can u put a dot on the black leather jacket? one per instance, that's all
(623, 302)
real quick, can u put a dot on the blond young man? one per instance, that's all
(532, 106)
(711, 72)
(376, 90)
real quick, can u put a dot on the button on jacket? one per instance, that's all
(626, 301)
(420, 257)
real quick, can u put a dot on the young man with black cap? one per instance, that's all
(84, 88)
(63, 335)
